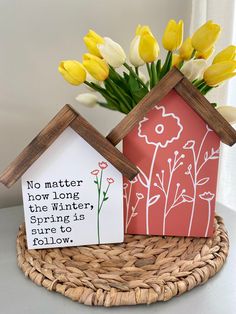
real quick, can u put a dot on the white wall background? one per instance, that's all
(35, 36)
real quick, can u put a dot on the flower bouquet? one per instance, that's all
(174, 148)
(101, 68)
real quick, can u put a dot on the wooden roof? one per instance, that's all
(67, 116)
(177, 81)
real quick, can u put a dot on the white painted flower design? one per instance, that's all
(162, 133)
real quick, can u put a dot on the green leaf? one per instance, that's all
(139, 94)
(133, 83)
(118, 79)
(158, 69)
(167, 65)
(107, 105)
(106, 198)
(154, 74)
(96, 182)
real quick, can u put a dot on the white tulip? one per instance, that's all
(134, 56)
(112, 52)
(87, 99)
(228, 112)
(194, 69)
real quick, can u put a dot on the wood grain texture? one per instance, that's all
(67, 116)
(104, 147)
(166, 84)
(205, 110)
(38, 146)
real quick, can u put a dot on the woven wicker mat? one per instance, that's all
(143, 269)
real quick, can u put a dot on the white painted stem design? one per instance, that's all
(177, 197)
(149, 188)
(209, 217)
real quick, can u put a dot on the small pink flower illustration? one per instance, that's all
(207, 196)
(189, 145)
(102, 193)
(103, 165)
(160, 134)
(110, 180)
(95, 172)
(139, 196)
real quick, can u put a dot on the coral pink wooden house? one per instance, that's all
(173, 136)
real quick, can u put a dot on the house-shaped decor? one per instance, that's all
(173, 136)
(72, 184)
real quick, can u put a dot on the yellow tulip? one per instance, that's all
(148, 48)
(206, 54)
(205, 37)
(96, 67)
(173, 35)
(145, 50)
(186, 50)
(219, 72)
(72, 71)
(91, 41)
(176, 59)
(140, 30)
(226, 54)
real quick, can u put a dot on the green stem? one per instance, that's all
(180, 64)
(206, 89)
(99, 195)
(119, 93)
(154, 73)
(105, 94)
(136, 71)
(158, 69)
(167, 65)
(104, 197)
(193, 54)
(150, 75)
(135, 75)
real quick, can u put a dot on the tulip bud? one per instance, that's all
(206, 54)
(219, 72)
(176, 59)
(226, 54)
(96, 67)
(72, 71)
(134, 56)
(148, 48)
(205, 37)
(173, 35)
(91, 41)
(87, 99)
(186, 50)
(228, 112)
(112, 52)
(194, 69)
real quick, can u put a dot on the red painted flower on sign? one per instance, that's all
(103, 165)
(95, 172)
(110, 180)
